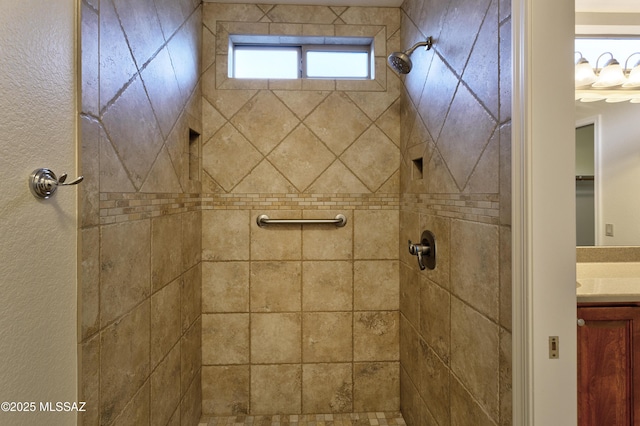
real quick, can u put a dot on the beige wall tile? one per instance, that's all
(225, 338)
(376, 285)
(410, 294)
(276, 286)
(165, 388)
(137, 411)
(375, 234)
(327, 337)
(326, 242)
(124, 361)
(275, 338)
(191, 239)
(474, 354)
(335, 109)
(475, 274)
(327, 286)
(191, 296)
(373, 157)
(276, 242)
(191, 355)
(225, 389)
(433, 384)
(255, 121)
(435, 317)
(89, 291)
(327, 388)
(292, 157)
(376, 386)
(276, 388)
(165, 321)
(410, 349)
(464, 409)
(125, 264)
(506, 365)
(225, 235)
(376, 336)
(190, 406)
(225, 287)
(89, 380)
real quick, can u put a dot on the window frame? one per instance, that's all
(304, 45)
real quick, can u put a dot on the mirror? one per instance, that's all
(611, 187)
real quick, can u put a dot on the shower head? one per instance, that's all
(401, 61)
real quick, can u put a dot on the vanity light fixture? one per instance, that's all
(611, 74)
(611, 83)
(585, 76)
(633, 80)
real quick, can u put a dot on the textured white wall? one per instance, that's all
(37, 238)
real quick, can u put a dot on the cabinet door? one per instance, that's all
(608, 345)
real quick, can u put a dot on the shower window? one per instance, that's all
(280, 57)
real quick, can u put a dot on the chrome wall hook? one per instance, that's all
(425, 250)
(44, 183)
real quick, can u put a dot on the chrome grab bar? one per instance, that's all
(263, 220)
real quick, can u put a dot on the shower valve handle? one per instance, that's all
(419, 250)
(425, 251)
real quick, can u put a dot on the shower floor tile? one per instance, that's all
(335, 419)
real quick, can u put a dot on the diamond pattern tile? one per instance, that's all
(228, 157)
(301, 102)
(338, 122)
(373, 158)
(265, 121)
(301, 157)
(133, 129)
(460, 148)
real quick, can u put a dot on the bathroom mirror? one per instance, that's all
(611, 190)
(607, 174)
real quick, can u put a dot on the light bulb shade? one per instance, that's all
(611, 75)
(634, 77)
(584, 75)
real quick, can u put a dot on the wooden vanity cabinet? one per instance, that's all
(609, 365)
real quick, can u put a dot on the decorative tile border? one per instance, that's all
(123, 207)
(335, 419)
(483, 208)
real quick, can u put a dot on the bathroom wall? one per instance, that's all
(140, 278)
(300, 319)
(455, 323)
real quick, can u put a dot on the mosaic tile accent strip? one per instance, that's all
(484, 208)
(335, 419)
(128, 206)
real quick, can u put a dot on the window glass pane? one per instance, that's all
(338, 64)
(266, 62)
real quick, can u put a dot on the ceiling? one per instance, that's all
(608, 6)
(600, 6)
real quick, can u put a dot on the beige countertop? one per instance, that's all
(608, 282)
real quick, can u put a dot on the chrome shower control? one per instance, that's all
(425, 251)
(44, 183)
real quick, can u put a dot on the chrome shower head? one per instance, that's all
(401, 61)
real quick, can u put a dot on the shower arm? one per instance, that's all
(428, 43)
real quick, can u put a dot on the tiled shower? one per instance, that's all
(189, 309)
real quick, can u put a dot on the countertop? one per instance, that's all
(608, 282)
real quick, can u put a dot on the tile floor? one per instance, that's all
(336, 419)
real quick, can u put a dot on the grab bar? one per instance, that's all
(263, 220)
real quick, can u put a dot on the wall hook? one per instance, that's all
(44, 183)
